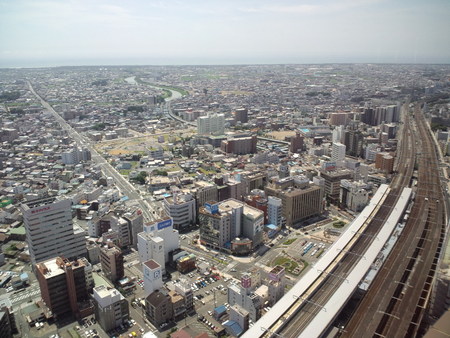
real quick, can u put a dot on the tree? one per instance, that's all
(9, 96)
(140, 178)
(99, 126)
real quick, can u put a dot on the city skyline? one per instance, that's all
(51, 33)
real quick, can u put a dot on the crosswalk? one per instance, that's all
(19, 297)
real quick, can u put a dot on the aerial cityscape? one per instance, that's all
(255, 200)
(224, 169)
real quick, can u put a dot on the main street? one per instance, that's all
(122, 184)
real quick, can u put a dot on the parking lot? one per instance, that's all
(210, 284)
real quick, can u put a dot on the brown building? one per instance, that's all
(258, 202)
(240, 145)
(111, 258)
(300, 199)
(186, 263)
(384, 162)
(158, 308)
(333, 183)
(178, 305)
(64, 286)
(241, 115)
(339, 119)
(297, 143)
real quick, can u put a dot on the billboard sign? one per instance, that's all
(164, 224)
(329, 166)
(212, 208)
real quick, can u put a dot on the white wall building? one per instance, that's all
(338, 152)
(354, 195)
(50, 231)
(152, 276)
(157, 240)
(111, 308)
(211, 124)
(151, 247)
(275, 211)
(75, 156)
(182, 209)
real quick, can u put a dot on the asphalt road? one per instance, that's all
(122, 184)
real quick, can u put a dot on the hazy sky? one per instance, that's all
(77, 32)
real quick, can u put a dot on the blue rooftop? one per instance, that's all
(233, 327)
(272, 226)
(220, 310)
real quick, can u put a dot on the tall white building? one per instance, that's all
(338, 152)
(157, 240)
(50, 231)
(211, 124)
(337, 134)
(151, 247)
(75, 156)
(152, 276)
(275, 211)
(181, 208)
(111, 308)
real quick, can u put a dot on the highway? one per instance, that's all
(397, 300)
(125, 187)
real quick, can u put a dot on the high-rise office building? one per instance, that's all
(353, 140)
(337, 152)
(65, 286)
(354, 195)
(300, 199)
(157, 240)
(50, 231)
(205, 191)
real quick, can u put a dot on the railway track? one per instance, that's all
(398, 297)
(293, 322)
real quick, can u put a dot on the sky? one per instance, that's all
(37, 33)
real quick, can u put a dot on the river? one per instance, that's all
(174, 94)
